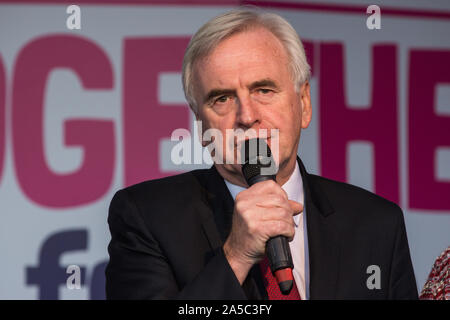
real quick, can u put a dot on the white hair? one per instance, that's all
(235, 21)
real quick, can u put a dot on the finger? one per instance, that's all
(264, 201)
(296, 207)
(279, 228)
(271, 201)
(275, 214)
(268, 187)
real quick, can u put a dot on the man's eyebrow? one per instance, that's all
(217, 92)
(257, 84)
(263, 83)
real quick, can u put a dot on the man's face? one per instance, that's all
(245, 83)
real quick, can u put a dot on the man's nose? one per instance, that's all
(247, 113)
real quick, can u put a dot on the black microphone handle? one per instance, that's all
(279, 253)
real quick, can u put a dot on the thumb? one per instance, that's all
(296, 207)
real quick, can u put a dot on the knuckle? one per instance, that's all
(240, 206)
(291, 231)
(277, 228)
(240, 196)
(279, 198)
(287, 214)
(279, 212)
(269, 184)
(251, 227)
(283, 213)
(286, 228)
(272, 183)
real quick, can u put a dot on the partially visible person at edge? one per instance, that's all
(202, 234)
(437, 286)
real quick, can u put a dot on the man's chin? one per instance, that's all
(231, 173)
(235, 169)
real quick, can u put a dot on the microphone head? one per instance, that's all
(255, 155)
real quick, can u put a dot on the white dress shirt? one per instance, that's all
(299, 245)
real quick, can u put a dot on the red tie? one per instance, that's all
(270, 282)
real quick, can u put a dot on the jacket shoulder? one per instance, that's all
(354, 200)
(180, 188)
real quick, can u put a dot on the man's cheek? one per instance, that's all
(276, 145)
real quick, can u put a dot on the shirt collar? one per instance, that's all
(293, 188)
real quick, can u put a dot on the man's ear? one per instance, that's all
(305, 97)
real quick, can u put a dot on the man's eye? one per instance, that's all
(264, 91)
(221, 99)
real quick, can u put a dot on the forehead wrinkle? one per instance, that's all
(267, 42)
(268, 47)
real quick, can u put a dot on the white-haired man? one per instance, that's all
(202, 234)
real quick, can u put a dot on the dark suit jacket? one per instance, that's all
(167, 238)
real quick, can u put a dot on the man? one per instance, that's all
(202, 234)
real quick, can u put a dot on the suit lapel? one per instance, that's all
(217, 221)
(323, 241)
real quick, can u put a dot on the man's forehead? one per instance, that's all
(257, 41)
(231, 79)
(250, 51)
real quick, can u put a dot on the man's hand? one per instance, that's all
(261, 212)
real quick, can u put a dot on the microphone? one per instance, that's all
(277, 248)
